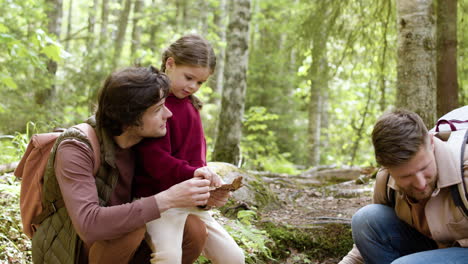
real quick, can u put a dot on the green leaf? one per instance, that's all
(6, 37)
(8, 81)
(52, 52)
(3, 29)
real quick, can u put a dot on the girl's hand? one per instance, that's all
(207, 173)
(189, 193)
(218, 198)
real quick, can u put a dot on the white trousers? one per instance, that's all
(166, 234)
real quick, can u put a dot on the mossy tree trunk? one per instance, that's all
(416, 66)
(227, 146)
(447, 85)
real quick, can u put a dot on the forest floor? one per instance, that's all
(333, 203)
(313, 206)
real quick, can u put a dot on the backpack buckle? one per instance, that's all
(53, 207)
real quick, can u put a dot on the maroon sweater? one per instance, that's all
(166, 161)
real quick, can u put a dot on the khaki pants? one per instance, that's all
(165, 238)
(122, 249)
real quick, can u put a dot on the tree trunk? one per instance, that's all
(447, 85)
(360, 131)
(319, 76)
(383, 62)
(154, 27)
(204, 9)
(104, 21)
(122, 28)
(181, 14)
(136, 32)
(318, 73)
(314, 124)
(91, 25)
(235, 75)
(69, 25)
(216, 81)
(54, 13)
(416, 67)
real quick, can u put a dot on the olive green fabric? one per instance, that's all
(56, 241)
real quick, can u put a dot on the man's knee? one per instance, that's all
(194, 239)
(371, 214)
(119, 249)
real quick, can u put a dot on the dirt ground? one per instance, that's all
(315, 205)
(311, 206)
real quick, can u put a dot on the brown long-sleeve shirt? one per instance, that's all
(74, 170)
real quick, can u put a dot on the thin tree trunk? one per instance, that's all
(122, 28)
(255, 32)
(204, 9)
(91, 25)
(136, 32)
(416, 67)
(181, 14)
(104, 21)
(152, 32)
(319, 76)
(318, 73)
(360, 130)
(69, 24)
(324, 118)
(218, 77)
(314, 124)
(383, 101)
(54, 13)
(447, 85)
(227, 146)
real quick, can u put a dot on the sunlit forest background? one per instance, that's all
(319, 72)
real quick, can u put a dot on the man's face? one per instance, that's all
(153, 121)
(417, 177)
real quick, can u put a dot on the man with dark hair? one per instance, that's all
(417, 221)
(99, 222)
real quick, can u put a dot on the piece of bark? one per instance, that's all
(234, 186)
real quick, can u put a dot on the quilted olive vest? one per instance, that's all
(56, 241)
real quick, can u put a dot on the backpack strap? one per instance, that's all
(450, 122)
(457, 141)
(53, 207)
(91, 135)
(390, 193)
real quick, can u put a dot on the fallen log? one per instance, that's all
(9, 167)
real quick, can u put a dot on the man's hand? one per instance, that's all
(189, 193)
(207, 173)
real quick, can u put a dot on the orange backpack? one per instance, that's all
(31, 171)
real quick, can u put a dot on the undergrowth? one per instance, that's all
(15, 246)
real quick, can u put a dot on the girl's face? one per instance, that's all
(185, 80)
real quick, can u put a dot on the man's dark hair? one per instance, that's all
(397, 137)
(125, 96)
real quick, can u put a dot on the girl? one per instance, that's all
(181, 155)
